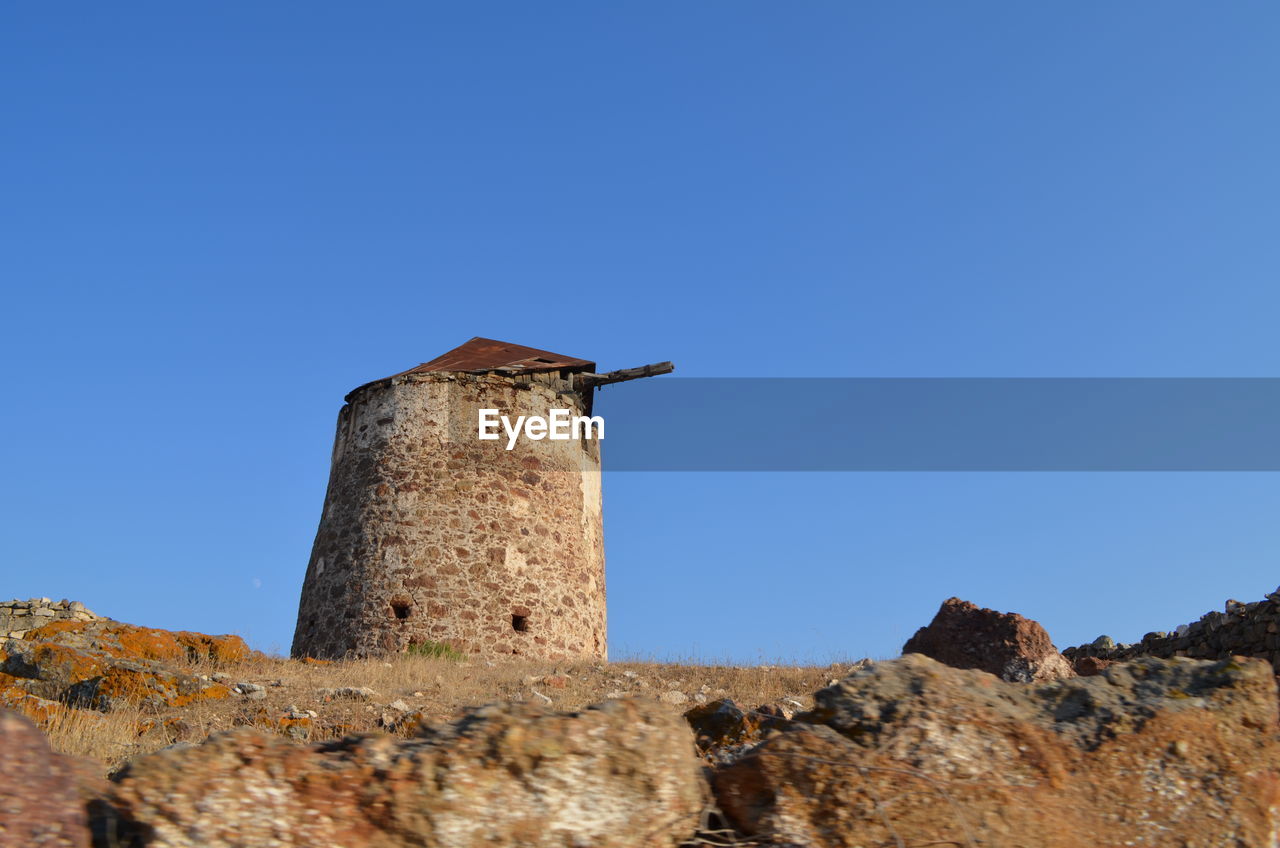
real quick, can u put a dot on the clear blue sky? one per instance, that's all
(216, 220)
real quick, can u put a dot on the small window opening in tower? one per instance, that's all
(401, 609)
(520, 623)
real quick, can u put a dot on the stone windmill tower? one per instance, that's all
(430, 535)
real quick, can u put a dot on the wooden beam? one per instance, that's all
(592, 380)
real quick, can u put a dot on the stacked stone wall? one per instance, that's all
(432, 537)
(1241, 629)
(17, 617)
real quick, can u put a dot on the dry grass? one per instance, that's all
(433, 689)
(111, 738)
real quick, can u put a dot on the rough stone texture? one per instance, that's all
(623, 773)
(108, 664)
(129, 641)
(40, 804)
(17, 617)
(429, 535)
(722, 723)
(913, 752)
(14, 696)
(725, 731)
(1245, 630)
(1089, 666)
(964, 635)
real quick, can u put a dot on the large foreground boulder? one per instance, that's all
(40, 800)
(912, 752)
(623, 773)
(964, 635)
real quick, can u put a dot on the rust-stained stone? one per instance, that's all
(1089, 666)
(964, 635)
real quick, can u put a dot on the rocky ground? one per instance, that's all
(981, 735)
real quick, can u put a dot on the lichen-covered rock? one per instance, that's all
(296, 724)
(1151, 753)
(128, 641)
(40, 804)
(15, 694)
(93, 673)
(623, 773)
(126, 684)
(964, 635)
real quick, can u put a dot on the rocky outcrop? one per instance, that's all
(1152, 753)
(623, 773)
(15, 696)
(40, 798)
(128, 641)
(912, 752)
(964, 635)
(104, 664)
(1239, 629)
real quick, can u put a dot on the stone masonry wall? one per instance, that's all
(17, 617)
(429, 535)
(1251, 630)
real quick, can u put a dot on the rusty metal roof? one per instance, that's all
(480, 355)
(490, 355)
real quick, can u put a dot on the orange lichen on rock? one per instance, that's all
(295, 727)
(208, 692)
(104, 664)
(40, 710)
(129, 641)
(217, 649)
(145, 643)
(155, 688)
(60, 666)
(53, 629)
